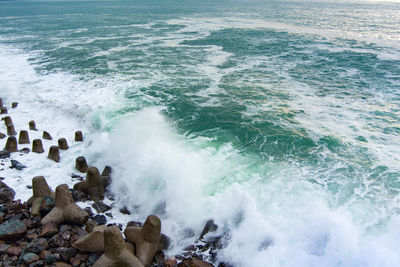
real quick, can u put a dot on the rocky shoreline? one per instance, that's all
(50, 229)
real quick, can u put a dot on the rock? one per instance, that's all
(2, 136)
(66, 253)
(116, 253)
(109, 214)
(89, 211)
(3, 110)
(54, 153)
(23, 137)
(100, 207)
(100, 219)
(58, 241)
(134, 224)
(11, 145)
(146, 239)
(14, 251)
(209, 227)
(81, 164)
(78, 136)
(37, 245)
(32, 126)
(17, 165)
(94, 184)
(170, 262)
(14, 104)
(38, 263)
(92, 242)
(74, 262)
(37, 146)
(125, 210)
(90, 225)
(4, 154)
(30, 257)
(6, 193)
(12, 230)
(92, 258)
(62, 264)
(165, 242)
(48, 230)
(191, 262)
(62, 144)
(7, 120)
(46, 206)
(79, 196)
(10, 130)
(65, 209)
(52, 258)
(46, 136)
(25, 150)
(40, 190)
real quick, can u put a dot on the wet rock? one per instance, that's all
(52, 258)
(11, 144)
(78, 136)
(134, 224)
(209, 227)
(14, 104)
(191, 262)
(10, 130)
(116, 253)
(3, 110)
(100, 207)
(170, 262)
(48, 230)
(62, 144)
(38, 263)
(36, 246)
(146, 239)
(25, 150)
(89, 211)
(92, 258)
(23, 137)
(6, 193)
(14, 251)
(65, 209)
(37, 146)
(61, 264)
(165, 242)
(32, 126)
(79, 196)
(109, 214)
(66, 253)
(12, 230)
(58, 241)
(46, 136)
(75, 262)
(90, 225)
(125, 210)
(2, 136)
(100, 219)
(4, 154)
(54, 153)
(81, 164)
(17, 165)
(30, 257)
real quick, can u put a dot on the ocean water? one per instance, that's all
(280, 120)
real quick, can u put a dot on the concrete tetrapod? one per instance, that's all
(93, 186)
(145, 238)
(40, 190)
(23, 137)
(65, 209)
(92, 242)
(116, 253)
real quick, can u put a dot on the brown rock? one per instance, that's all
(49, 230)
(78, 136)
(65, 209)
(46, 136)
(23, 137)
(170, 262)
(43, 254)
(192, 262)
(32, 126)
(54, 153)
(75, 262)
(61, 264)
(146, 239)
(62, 144)
(37, 146)
(14, 251)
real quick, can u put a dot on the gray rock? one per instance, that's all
(17, 165)
(12, 230)
(100, 207)
(4, 154)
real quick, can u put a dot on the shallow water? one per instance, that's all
(279, 120)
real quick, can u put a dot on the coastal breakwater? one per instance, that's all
(69, 226)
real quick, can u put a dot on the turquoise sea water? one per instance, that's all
(278, 119)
